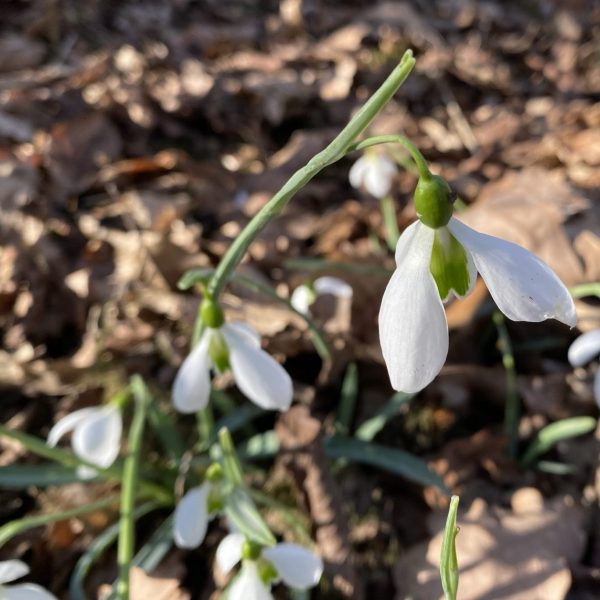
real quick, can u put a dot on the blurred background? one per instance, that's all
(136, 141)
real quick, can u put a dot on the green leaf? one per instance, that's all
(448, 558)
(18, 477)
(194, 276)
(550, 435)
(555, 468)
(349, 397)
(231, 463)
(259, 446)
(371, 427)
(168, 435)
(10, 530)
(156, 548)
(389, 459)
(241, 511)
(319, 264)
(96, 549)
(586, 289)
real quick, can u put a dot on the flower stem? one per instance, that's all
(332, 153)
(448, 558)
(390, 221)
(414, 152)
(128, 488)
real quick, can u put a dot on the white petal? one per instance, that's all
(584, 348)
(97, 439)
(26, 591)
(405, 241)
(522, 285)
(357, 171)
(298, 567)
(334, 286)
(191, 517)
(246, 330)
(191, 389)
(85, 472)
(412, 323)
(379, 176)
(229, 551)
(597, 387)
(248, 585)
(301, 299)
(258, 375)
(11, 570)
(67, 424)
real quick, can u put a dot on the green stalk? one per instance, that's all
(414, 152)
(512, 409)
(390, 221)
(448, 558)
(128, 488)
(332, 153)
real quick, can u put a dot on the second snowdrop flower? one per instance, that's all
(304, 295)
(295, 566)
(375, 172)
(96, 435)
(585, 348)
(438, 256)
(236, 346)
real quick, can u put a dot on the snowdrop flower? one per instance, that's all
(96, 435)
(195, 510)
(296, 566)
(15, 569)
(231, 345)
(438, 256)
(304, 295)
(582, 351)
(375, 172)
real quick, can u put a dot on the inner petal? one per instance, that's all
(450, 265)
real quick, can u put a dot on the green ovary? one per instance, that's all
(449, 264)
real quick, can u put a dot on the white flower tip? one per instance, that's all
(229, 551)
(301, 299)
(190, 521)
(298, 567)
(11, 570)
(334, 286)
(191, 389)
(584, 348)
(97, 438)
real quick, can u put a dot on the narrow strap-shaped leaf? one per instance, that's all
(448, 558)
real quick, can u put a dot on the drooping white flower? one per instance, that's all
(295, 566)
(258, 375)
(431, 264)
(10, 570)
(192, 516)
(96, 435)
(582, 351)
(375, 172)
(304, 296)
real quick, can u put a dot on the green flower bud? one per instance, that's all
(219, 352)
(211, 313)
(434, 200)
(214, 472)
(250, 550)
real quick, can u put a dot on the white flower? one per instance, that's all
(303, 296)
(582, 351)
(15, 569)
(258, 375)
(375, 172)
(296, 566)
(96, 435)
(412, 322)
(192, 516)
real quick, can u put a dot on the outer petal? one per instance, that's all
(191, 389)
(405, 240)
(248, 585)
(258, 375)
(245, 329)
(378, 177)
(334, 286)
(584, 348)
(522, 285)
(67, 424)
(26, 591)
(11, 570)
(229, 551)
(357, 171)
(412, 323)
(98, 438)
(298, 567)
(301, 299)
(191, 517)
